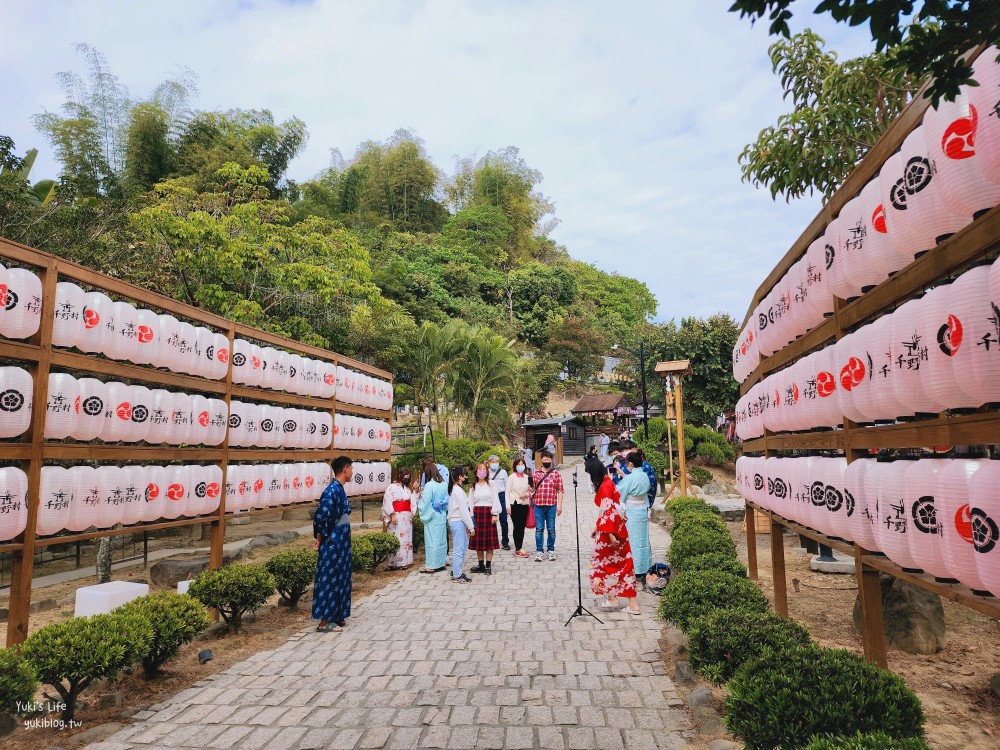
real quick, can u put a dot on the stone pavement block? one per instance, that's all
(230, 737)
(346, 739)
(491, 738)
(436, 737)
(519, 738)
(551, 738)
(621, 718)
(405, 738)
(259, 738)
(608, 738)
(581, 739)
(464, 738)
(375, 738)
(639, 739)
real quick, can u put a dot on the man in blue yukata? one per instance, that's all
(332, 532)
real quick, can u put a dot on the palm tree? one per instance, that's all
(485, 379)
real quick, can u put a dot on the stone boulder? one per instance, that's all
(170, 572)
(268, 539)
(914, 618)
(715, 489)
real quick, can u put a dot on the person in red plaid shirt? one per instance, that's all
(548, 501)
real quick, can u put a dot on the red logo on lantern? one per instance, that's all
(959, 139)
(963, 523)
(223, 355)
(124, 411)
(175, 492)
(310, 482)
(145, 334)
(3, 295)
(76, 405)
(950, 336)
(329, 379)
(296, 483)
(152, 492)
(826, 384)
(255, 362)
(795, 393)
(878, 219)
(852, 374)
(213, 489)
(203, 419)
(258, 485)
(243, 488)
(91, 318)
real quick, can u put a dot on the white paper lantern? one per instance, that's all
(984, 513)
(296, 384)
(237, 424)
(836, 256)
(879, 258)
(819, 297)
(117, 413)
(386, 437)
(178, 491)
(295, 480)
(339, 430)
(938, 324)
(67, 328)
(142, 407)
(290, 429)
(169, 353)
(13, 502)
(973, 336)
(213, 491)
(325, 476)
(272, 485)
(860, 521)
(181, 420)
(258, 477)
(188, 362)
(310, 429)
(124, 340)
(242, 369)
(161, 417)
(912, 354)
(112, 481)
(234, 475)
(893, 521)
(135, 494)
(827, 410)
(198, 493)
(60, 410)
(204, 348)
(218, 357)
(852, 264)
(324, 437)
(256, 358)
(4, 284)
(271, 375)
(21, 306)
(950, 132)
(55, 497)
(155, 492)
(218, 421)
(956, 521)
(98, 329)
(148, 342)
(985, 97)
(16, 398)
(282, 366)
(328, 380)
(924, 527)
(86, 502)
(851, 367)
(202, 420)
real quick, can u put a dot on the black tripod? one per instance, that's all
(580, 610)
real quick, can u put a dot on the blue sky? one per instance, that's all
(633, 112)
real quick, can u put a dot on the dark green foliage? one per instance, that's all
(699, 475)
(362, 554)
(711, 454)
(723, 640)
(418, 533)
(234, 590)
(293, 571)
(691, 540)
(692, 595)
(718, 561)
(17, 682)
(699, 518)
(782, 699)
(175, 618)
(696, 504)
(870, 741)
(384, 546)
(70, 655)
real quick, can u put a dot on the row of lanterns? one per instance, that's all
(92, 322)
(357, 433)
(938, 352)
(937, 516)
(945, 174)
(83, 497)
(266, 426)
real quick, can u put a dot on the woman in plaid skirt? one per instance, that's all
(485, 510)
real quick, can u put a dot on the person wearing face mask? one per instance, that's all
(519, 498)
(433, 507)
(397, 517)
(633, 487)
(460, 522)
(499, 476)
(485, 511)
(547, 500)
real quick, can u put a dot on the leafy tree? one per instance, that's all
(149, 153)
(708, 343)
(840, 110)
(484, 380)
(932, 36)
(619, 303)
(540, 295)
(577, 344)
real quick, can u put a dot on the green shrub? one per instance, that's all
(681, 504)
(690, 540)
(234, 590)
(384, 546)
(699, 475)
(722, 641)
(17, 683)
(711, 454)
(505, 454)
(784, 698)
(418, 533)
(293, 571)
(70, 655)
(693, 595)
(362, 554)
(718, 561)
(699, 518)
(873, 741)
(175, 618)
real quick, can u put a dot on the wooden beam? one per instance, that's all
(872, 620)
(778, 568)
(751, 523)
(94, 364)
(19, 350)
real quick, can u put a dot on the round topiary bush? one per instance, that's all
(362, 554)
(175, 618)
(234, 590)
(873, 741)
(717, 561)
(699, 475)
(17, 683)
(722, 641)
(691, 540)
(699, 518)
(70, 655)
(293, 571)
(784, 698)
(681, 504)
(384, 546)
(710, 453)
(693, 595)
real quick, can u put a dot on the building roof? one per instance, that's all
(602, 402)
(551, 422)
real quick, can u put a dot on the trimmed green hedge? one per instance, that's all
(693, 595)
(691, 540)
(723, 640)
(873, 741)
(720, 562)
(681, 504)
(384, 546)
(782, 699)
(17, 682)
(362, 554)
(293, 571)
(700, 475)
(175, 618)
(234, 590)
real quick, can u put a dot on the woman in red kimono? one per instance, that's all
(612, 573)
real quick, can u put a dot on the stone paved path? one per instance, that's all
(431, 664)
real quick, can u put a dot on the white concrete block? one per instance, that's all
(183, 586)
(104, 597)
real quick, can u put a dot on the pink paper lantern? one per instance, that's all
(117, 413)
(218, 421)
(142, 407)
(973, 337)
(86, 503)
(242, 369)
(861, 522)
(851, 367)
(923, 525)
(893, 521)
(840, 242)
(827, 388)
(112, 482)
(60, 410)
(877, 259)
(135, 494)
(154, 480)
(819, 296)
(910, 363)
(218, 357)
(178, 491)
(98, 330)
(148, 342)
(13, 502)
(16, 396)
(938, 323)
(212, 476)
(954, 512)
(984, 514)
(124, 340)
(839, 504)
(777, 485)
(21, 305)
(161, 426)
(202, 420)
(67, 328)
(4, 284)
(950, 132)
(985, 98)
(55, 497)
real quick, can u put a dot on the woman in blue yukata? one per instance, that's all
(633, 486)
(332, 532)
(433, 508)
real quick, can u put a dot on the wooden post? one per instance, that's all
(778, 568)
(751, 524)
(682, 459)
(872, 622)
(218, 525)
(22, 560)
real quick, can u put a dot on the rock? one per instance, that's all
(995, 685)
(4, 612)
(712, 726)
(723, 745)
(701, 696)
(269, 539)
(715, 489)
(98, 733)
(250, 617)
(170, 572)
(677, 641)
(110, 700)
(684, 674)
(214, 631)
(700, 713)
(695, 490)
(914, 618)
(7, 723)
(43, 605)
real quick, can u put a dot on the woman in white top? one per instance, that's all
(397, 517)
(519, 497)
(460, 522)
(485, 511)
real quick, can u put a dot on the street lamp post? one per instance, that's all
(641, 354)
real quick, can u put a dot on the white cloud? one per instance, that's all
(634, 113)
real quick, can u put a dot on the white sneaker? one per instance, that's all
(538, 557)
(552, 557)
